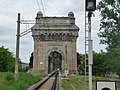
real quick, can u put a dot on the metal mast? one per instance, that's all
(90, 6)
(17, 47)
(88, 50)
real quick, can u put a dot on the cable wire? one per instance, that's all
(43, 8)
(38, 5)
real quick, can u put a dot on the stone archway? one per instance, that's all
(54, 35)
(54, 61)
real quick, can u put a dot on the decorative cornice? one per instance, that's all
(55, 37)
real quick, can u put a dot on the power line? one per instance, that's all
(38, 5)
(43, 7)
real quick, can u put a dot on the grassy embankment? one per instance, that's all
(77, 82)
(7, 81)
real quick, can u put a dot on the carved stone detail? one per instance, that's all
(55, 37)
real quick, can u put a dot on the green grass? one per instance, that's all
(7, 81)
(78, 83)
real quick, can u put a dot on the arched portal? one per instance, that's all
(54, 61)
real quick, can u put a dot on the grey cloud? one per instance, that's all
(6, 30)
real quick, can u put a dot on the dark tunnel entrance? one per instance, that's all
(105, 89)
(54, 61)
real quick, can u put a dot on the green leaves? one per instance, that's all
(104, 63)
(7, 60)
(110, 23)
(114, 60)
(99, 65)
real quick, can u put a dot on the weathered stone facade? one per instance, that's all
(55, 44)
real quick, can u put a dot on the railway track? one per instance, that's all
(51, 82)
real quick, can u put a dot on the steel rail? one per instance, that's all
(38, 85)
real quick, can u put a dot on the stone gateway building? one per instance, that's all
(55, 44)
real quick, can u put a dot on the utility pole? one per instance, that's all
(18, 35)
(17, 47)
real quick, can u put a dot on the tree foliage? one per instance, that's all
(7, 60)
(110, 23)
(99, 63)
(110, 33)
(114, 61)
(104, 63)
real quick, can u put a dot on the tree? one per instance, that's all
(7, 60)
(110, 23)
(114, 61)
(98, 63)
(110, 33)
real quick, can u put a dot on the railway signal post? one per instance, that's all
(90, 6)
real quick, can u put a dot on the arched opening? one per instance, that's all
(105, 89)
(54, 61)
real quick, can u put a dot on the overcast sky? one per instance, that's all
(28, 10)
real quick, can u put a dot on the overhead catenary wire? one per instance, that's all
(43, 7)
(38, 5)
(27, 22)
